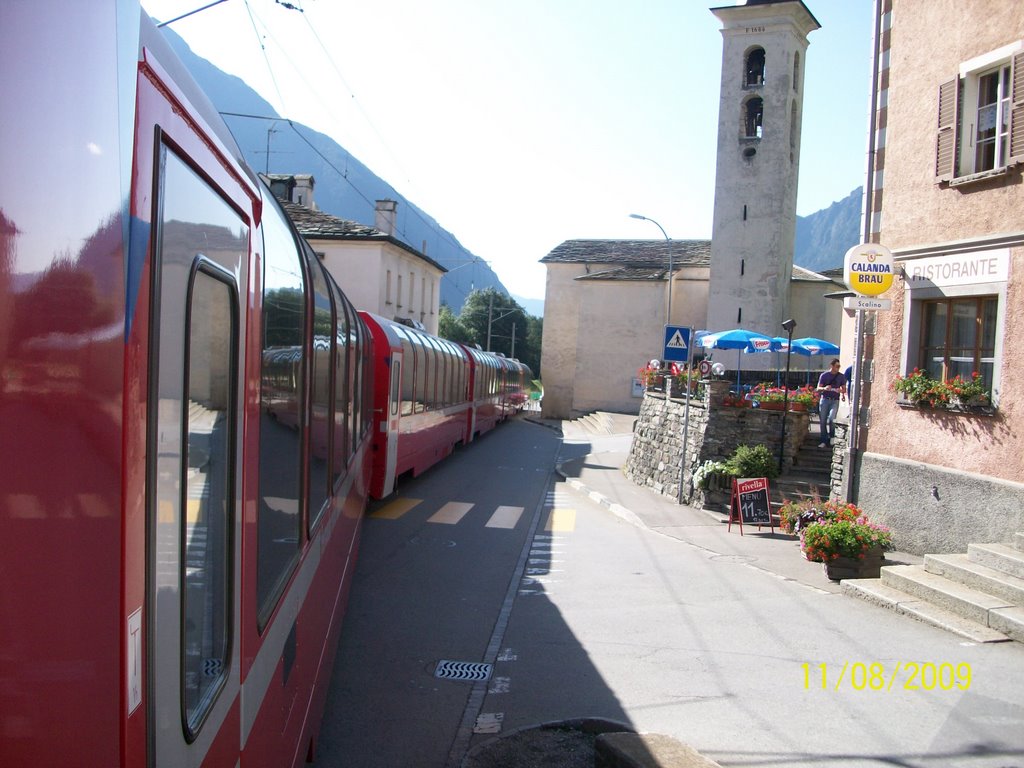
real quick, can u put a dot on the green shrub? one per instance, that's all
(753, 461)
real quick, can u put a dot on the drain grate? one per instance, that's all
(462, 670)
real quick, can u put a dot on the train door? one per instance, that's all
(392, 418)
(200, 260)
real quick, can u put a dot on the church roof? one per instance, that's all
(638, 257)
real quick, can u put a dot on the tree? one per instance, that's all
(450, 327)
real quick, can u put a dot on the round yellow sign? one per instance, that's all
(869, 269)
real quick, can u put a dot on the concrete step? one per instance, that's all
(999, 557)
(909, 605)
(949, 595)
(962, 569)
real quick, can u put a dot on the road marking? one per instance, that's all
(451, 513)
(395, 509)
(561, 519)
(505, 517)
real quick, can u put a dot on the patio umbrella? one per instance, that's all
(810, 346)
(739, 339)
(779, 344)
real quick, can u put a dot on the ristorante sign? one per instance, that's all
(958, 269)
(869, 269)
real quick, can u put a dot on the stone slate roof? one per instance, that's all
(631, 259)
(317, 225)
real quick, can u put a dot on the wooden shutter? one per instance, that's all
(1016, 109)
(945, 143)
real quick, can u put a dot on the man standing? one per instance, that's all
(831, 386)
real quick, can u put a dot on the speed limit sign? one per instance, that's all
(704, 367)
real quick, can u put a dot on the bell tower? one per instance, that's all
(759, 115)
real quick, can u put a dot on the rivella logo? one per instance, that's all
(869, 269)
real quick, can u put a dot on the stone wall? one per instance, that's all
(715, 431)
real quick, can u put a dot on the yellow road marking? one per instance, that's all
(505, 517)
(395, 509)
(561, 519)
(192, 509)
(450, 513)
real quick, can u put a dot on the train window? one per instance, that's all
(209, 492)
(357, 337)
(408, 373)
(366, 404)
(342, 401)
(320, 407)
(201, 242)
(420, 387)
(281, 411)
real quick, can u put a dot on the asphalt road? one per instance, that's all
(598, 617)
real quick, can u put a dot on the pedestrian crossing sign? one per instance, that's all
(677, 344)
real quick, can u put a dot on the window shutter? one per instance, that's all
(945, 143)
(1017, 109)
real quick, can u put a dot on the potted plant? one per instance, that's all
(849, 549)
(796, 515)
(713, 476)
(776, 398)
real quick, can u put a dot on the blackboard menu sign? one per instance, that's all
(750, 503)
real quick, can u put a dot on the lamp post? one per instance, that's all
(668, 318)
(787, 326)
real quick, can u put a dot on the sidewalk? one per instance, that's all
(599, 476)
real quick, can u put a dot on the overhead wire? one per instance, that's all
(440, 233)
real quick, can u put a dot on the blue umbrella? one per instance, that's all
(810, 346)
(739, 339)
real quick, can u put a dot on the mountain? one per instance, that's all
(344, 186)
(824, 237)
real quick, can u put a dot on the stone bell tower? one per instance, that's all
(759, 115)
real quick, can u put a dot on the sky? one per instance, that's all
(518, 126)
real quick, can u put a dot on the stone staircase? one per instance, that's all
(599, 423)
(978, 595)
(810, 475)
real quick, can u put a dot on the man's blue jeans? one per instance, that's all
(827, 410)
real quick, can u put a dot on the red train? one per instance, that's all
(435, 395)
(188, 413)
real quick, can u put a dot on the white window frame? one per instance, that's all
(958, 115)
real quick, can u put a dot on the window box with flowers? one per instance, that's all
(775, 398)
(962, 394)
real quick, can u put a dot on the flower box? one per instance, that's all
(867, 567)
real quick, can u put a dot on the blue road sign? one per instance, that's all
(677, 343)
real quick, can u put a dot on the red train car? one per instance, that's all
(185, 413)
(433, 395)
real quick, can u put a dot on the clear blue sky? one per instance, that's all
(520, 125)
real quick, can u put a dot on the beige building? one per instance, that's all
(945, 193)
(378, 272)
(605, 310)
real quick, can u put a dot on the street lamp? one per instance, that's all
(787, 326)
(668, 319)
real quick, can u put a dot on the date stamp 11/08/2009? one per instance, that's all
(876, 676)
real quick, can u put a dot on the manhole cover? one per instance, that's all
(462, 670)
(741, 559)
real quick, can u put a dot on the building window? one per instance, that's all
(958, 337)
(796, 71)
(753, 115)
(753, 72)
(977, 111)
(387, 288)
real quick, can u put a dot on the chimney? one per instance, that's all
(384, 217)
(302, 192)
